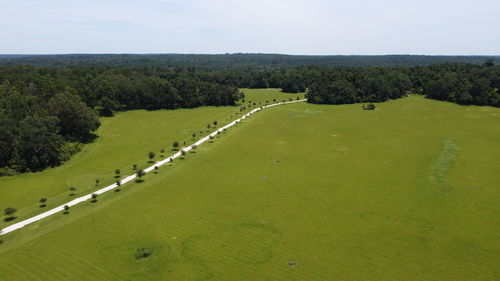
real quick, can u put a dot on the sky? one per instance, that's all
(307, 27)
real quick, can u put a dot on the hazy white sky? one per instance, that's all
(257, 26)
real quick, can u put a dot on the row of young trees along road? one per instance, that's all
(47, 113)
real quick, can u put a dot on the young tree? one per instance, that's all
(175, 145)
(151, 155)
(94, 197)
(42, 202)
(194, 136)
(134, 167)
(215, 123)
(9, 213)
(66, 209)
(209, 126)
(118, 184)
(140, 173)
(72, 190)
(370, 106)
(97, 181)
(183, 152)
(117, 173)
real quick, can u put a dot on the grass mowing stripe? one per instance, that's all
(348, 190)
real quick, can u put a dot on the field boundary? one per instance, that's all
(127, 179)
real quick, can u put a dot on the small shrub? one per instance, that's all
(142, 253)
(9, 213)
(118, 183)
(175, 145)
(369, 106)
(140, 173)
(151, 155)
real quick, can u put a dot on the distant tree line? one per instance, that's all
(247, 62)
(47, 112)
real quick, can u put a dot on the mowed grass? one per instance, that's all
(122, 141)
(297, 192)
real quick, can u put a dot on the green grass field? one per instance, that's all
(298, 192)
(123, 141)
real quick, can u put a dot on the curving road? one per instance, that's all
(78, 200)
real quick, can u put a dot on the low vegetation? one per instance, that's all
(381, 196)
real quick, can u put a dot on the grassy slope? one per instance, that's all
(124, 140)
(401, 193)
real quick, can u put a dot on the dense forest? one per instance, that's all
(46, 113)
(235, 61)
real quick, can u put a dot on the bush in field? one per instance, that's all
(151, 155)
(43, 202)
(72, 190)
(9, 213)
(175, 145)
(369, 106)
(142, 253)
(140, 174)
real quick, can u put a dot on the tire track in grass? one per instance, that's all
(5, 268)
(23, 270)
(80, 267)
(32, 258)
(312, 255)
(160, 217)
(196, 229)
(218, 239)
(65, 254)
(154, 230)
(167, 237)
